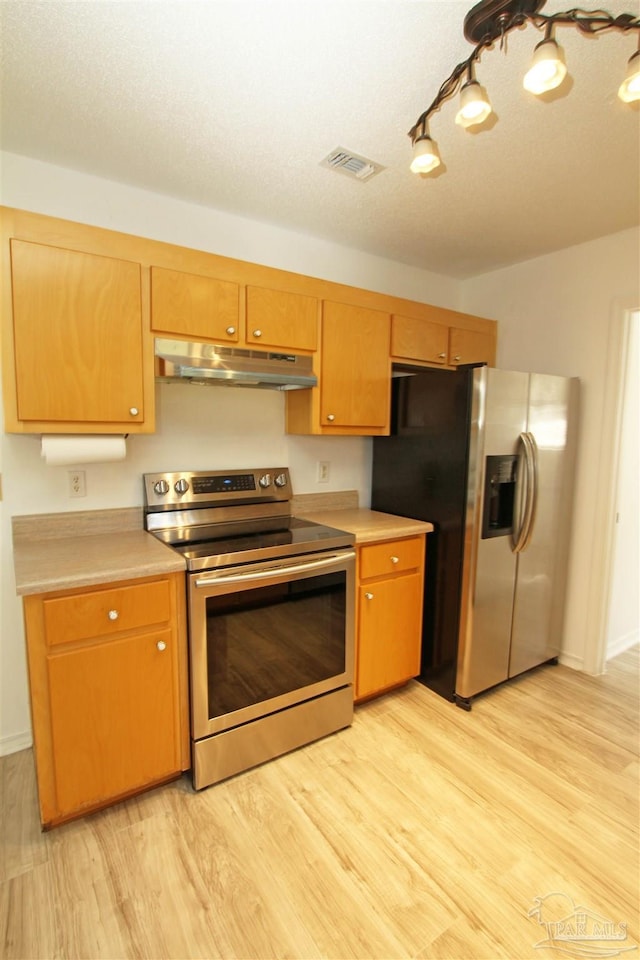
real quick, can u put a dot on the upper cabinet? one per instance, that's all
(352, 397)
(197, 307)
(81, 307)
(471, 346)
(77, 342)
(192, 306)
(419, 340)
(451, 340)
(276, 318)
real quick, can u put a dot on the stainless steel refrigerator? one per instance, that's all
(488, 457)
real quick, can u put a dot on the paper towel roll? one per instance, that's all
(65, 450)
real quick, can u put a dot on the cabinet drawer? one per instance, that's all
(392, 556)
(103, 612)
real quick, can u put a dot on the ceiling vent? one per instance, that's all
(351, 164)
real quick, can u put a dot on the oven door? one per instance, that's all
(264, 636)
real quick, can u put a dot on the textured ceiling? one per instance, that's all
(233, 104)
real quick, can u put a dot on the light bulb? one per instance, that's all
(630, 87)
(426, 156)
(474, 105)
(547, 70)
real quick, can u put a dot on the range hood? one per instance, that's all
(206, 363)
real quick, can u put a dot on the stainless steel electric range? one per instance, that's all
(270, 602)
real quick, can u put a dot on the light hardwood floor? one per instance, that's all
(421, 831)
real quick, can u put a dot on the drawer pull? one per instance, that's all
(395, 560)
(113, 614)
(161, 645)
(368, 596)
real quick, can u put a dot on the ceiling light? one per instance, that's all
(630, 87)
(492, 20)
(474, 105)
(426, 156)
(547, 70)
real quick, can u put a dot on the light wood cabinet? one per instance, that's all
(276, 318)
(430, 342)
(389, 614)
(471, 346)
(81, 307)
(198, 307)
(77, 342)
(107, 672)
(422, 340)
(353, 394)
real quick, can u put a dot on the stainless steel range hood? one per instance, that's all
(206, 363)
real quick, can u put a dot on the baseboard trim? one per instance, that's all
(622, 644)
(571, 660)
(19, 741)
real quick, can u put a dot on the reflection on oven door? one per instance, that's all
(275, 640)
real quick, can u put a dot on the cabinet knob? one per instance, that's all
(368, 596)
(394, 559)
(257, 333)
(457, 358)
(161, 645)
(133, 411)
(442, 356)
(231, 331)
(331, 417)
(113, 614)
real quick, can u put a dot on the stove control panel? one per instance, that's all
(176, 491)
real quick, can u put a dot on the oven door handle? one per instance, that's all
(274, 571)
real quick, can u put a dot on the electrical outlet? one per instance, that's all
(324, 468)
(77, 483)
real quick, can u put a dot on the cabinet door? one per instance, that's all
(279, 319)
(471, 346)
(188, 305)
(78, 336)
(356, 381)
(389, 633)
(419, 340)
(113, 718)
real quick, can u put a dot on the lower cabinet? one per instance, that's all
(389, 611)
(107, 670)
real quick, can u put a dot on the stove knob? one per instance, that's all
(281, 480)
(181, 486)
(161, 487)
(265, 480)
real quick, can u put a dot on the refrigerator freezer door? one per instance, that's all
(540, 586)
(499, 416)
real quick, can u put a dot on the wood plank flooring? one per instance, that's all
(422, 831)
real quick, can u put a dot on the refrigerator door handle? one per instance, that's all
(523, 536)
(533, 489)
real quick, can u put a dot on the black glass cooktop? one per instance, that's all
(250, 542)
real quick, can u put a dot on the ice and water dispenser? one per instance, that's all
(499, 495)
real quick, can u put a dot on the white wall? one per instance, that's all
(624, 604)
(563, 314)
(197, 428)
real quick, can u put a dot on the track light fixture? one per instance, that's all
(491, 20)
